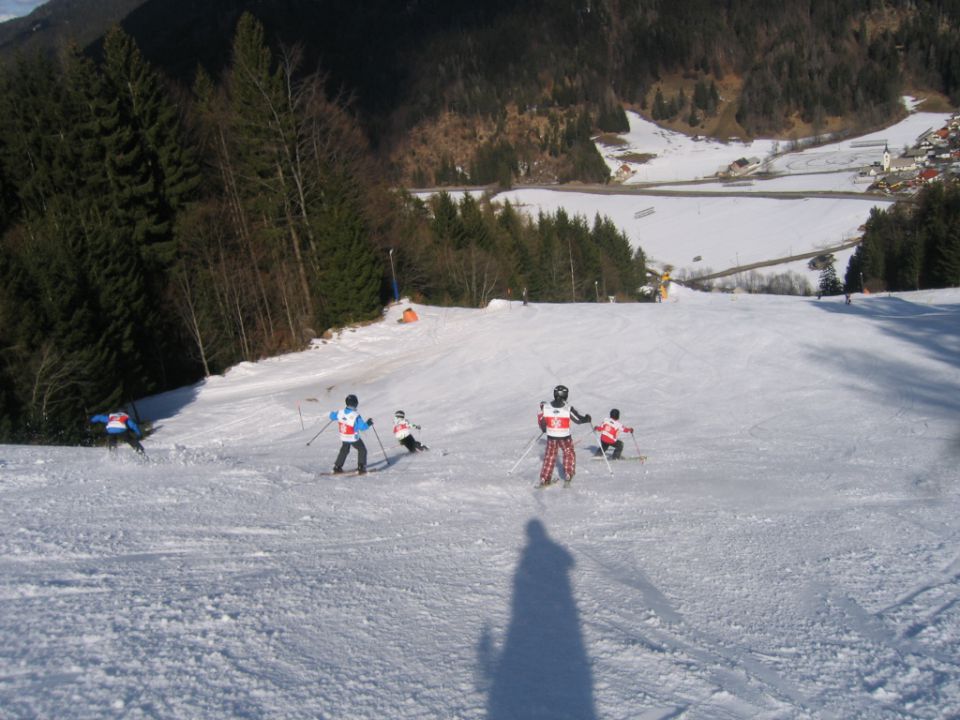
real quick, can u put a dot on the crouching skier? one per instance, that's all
(351, 425)
(402, 432)
(609, 429)
(554, 420)
(120, 426)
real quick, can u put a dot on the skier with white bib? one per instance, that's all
(350, 425)
(120, 426)
(609, 429)
(554, 419)
(404, 434)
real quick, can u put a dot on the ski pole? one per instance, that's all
(301, 416)
(640, 455)
(529, 445)
(603, 452)
(321, 430)
(377, 435)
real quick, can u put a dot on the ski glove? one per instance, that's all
(370, 422)
(588, 418)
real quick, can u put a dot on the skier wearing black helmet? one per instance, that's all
(554, 419)
(403, 433)
(351, 425)
(609, 429)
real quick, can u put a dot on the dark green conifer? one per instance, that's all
(829, 283)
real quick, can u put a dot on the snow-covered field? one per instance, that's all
(724, 232)
(678, 157)
(728, 232)
(789, 550)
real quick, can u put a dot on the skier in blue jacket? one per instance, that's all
(120, 425)
(351, 425)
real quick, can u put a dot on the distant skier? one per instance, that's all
(554, 419)
(402, 432)
(119, 425)
(351, 425)
(609, 429)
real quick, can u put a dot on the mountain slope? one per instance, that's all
(57, 23)
(526, 71)
(787, 551)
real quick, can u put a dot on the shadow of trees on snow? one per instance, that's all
(933, 331)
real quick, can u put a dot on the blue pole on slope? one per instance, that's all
(393, 273)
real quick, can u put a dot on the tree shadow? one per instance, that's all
(165, 405)
(542, 671)
(934, 330)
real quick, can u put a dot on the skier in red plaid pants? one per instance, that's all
(554, 420)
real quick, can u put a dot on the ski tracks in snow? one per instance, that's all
(718, 678)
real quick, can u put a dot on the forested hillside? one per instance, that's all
(445, 85)
(911, 246)
(202, 186)
(437, 82)
(150, 238)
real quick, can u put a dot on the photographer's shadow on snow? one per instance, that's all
(541, 671)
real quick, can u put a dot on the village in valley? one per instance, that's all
(934, 157)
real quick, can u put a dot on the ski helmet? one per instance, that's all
(399, 414)
(615, 414)
(560, 392)
(352, 401)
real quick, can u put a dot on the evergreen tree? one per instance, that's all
(145, 107)
(910, 249)
(660, 110)
(88, 212)
(938, 225)
(352, 276)
(829, 284)
(114, 200)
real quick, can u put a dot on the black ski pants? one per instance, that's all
(128, 437)
(345, 449)
(410, 444)
(617, 448)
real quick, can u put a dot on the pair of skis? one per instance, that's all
(371, 468)
(640, 458)
(551, 483)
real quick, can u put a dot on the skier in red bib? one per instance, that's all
(120, 426)
(350, 425)
(609, 429)
(554, 419)
(404, 434)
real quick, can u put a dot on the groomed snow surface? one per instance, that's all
(789, 550)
